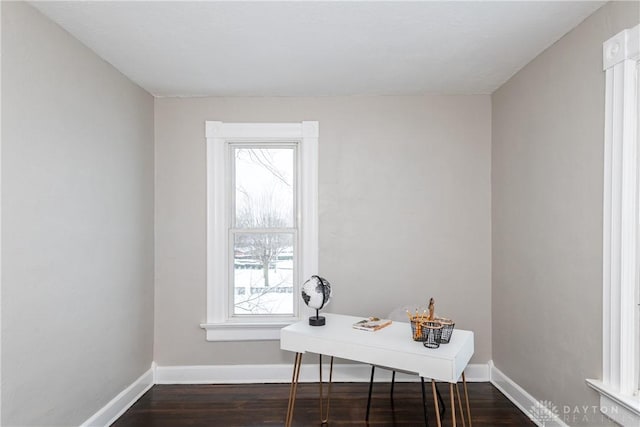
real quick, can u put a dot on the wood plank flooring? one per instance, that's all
(247, 405)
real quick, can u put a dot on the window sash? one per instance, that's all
(234, 230)
(232, 146)
(295, 277)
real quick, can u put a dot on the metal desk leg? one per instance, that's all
(443, 408)
(393, 382)
(435, 402)
(453, 405)
(294, 387)
(466, 397)
(460, 405)
(323, 419)
(424, 404)
(373, 370)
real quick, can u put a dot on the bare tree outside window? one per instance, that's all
(264, 230)
(262, 213)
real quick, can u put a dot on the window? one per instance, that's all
(263, 229)
(262, 226)
(619, 397)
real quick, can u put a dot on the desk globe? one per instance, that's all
(316, 293)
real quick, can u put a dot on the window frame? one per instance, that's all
(618, 387)
(221, 325)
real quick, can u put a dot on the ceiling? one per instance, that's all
(305, 48)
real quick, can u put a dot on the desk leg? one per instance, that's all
(424, 404)
(294, 387)
(443, 408)
(466, 397)
(460, 405)
(435, 402)
(373, 371)
(323, 419)
(453, 405)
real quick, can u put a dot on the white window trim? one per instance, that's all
(618, 388)
(219, 325)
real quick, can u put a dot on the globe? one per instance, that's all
(316, 293)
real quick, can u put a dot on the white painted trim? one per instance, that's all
(308, 200)
(621, 211)
(109, 413)
(523, 400)
(0, 224)
(617, 412)
(243, 332)
(623, 46)
(625, 410)
(281, 373)
(237, 131)
(219, 325)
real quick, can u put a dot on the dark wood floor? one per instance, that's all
(266, 404)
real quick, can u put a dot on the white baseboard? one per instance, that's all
(247, 374)
(123, 401)
(281, 373)
(539, 412)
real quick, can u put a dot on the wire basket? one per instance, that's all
(429, 333)
(447, 329)
(433, 331)
(417, 331)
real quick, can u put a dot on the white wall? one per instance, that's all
(547, 184)
(404, 212)
(77, 242)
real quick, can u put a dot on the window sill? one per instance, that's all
(621, 408)
(264, 331)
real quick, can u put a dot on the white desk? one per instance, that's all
(391, 347)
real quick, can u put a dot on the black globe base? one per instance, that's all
(317, 320)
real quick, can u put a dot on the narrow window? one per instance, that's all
(262, 226)
(264, 231)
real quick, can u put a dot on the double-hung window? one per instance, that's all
(262, 226)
